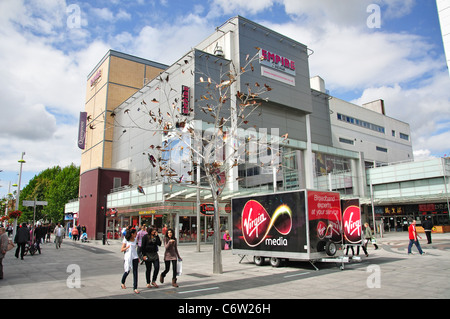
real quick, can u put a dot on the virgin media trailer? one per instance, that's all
(301, 225)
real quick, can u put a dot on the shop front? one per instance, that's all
(180, 216)
(398, 217)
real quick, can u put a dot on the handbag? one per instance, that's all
(179, 268)
(10, 245)
(373, 240)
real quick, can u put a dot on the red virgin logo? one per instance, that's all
(256, 222)
(352, 224)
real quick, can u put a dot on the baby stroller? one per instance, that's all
(84, 238)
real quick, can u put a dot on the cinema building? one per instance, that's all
(330, 143)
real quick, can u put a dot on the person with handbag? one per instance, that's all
(3, 248)
(149, 251)
(131, 259)
(171, 255)
(368, 236)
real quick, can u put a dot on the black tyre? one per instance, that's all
(330, 248)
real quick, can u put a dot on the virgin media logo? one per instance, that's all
(256, 222)
(352, 224)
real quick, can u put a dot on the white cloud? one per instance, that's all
(250, 6)
(426, 108)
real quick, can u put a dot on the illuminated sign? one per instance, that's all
(185, 93)
(277, 62)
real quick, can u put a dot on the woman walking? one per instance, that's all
(171, 255)
(149, 249)
(131, 259)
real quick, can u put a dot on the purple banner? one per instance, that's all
(82, 130)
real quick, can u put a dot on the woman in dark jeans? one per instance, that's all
(171, 255)
(149, 250)
(131, 259)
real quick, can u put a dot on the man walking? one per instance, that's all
(428, 226)
(21, 239)
(413, 238)
(59, 233)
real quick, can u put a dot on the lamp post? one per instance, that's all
(21, 161)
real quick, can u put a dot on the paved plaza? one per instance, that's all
(92, 270)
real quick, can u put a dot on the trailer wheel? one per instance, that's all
(258, 260)
(275, 262)
(330, 248)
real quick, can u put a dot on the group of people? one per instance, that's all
(368, 237)
(77, 232)
(412, 234)
(142, 247)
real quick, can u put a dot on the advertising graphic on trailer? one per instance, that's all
(270, 221)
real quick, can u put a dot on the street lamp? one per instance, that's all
(21, 161)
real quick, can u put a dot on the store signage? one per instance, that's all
(96, 78)
(147, 212)
(207, 209)
(82, 130)
(185, 93)
(277, 62)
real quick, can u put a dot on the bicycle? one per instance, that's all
(31, 248)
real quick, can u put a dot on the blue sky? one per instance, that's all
(48, 47)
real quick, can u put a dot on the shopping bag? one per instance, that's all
(179, 268)
(226, 247)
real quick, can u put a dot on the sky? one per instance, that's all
(364, 50)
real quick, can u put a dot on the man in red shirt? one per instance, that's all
(413, 238)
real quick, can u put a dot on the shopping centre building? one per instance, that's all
(324, 143)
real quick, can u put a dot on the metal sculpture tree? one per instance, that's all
(217, 149)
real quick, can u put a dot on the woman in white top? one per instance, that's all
(131, 259)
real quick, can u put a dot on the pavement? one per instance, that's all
(92, 270)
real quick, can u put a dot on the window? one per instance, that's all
(382, 149)
(361, 123)
(117, 182)
(393, 133)
(404, 136)
(346, 141)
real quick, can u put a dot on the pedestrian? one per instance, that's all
(227, 239)
(140, 234)
(427, 227)
(3, 248)
(37, 237)
(131, 259)
(49, 232)
(21, 239)
(74, 234)
(79, 231)
(150, 244)
(59, 233)
(413, 238)
(171, 255)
